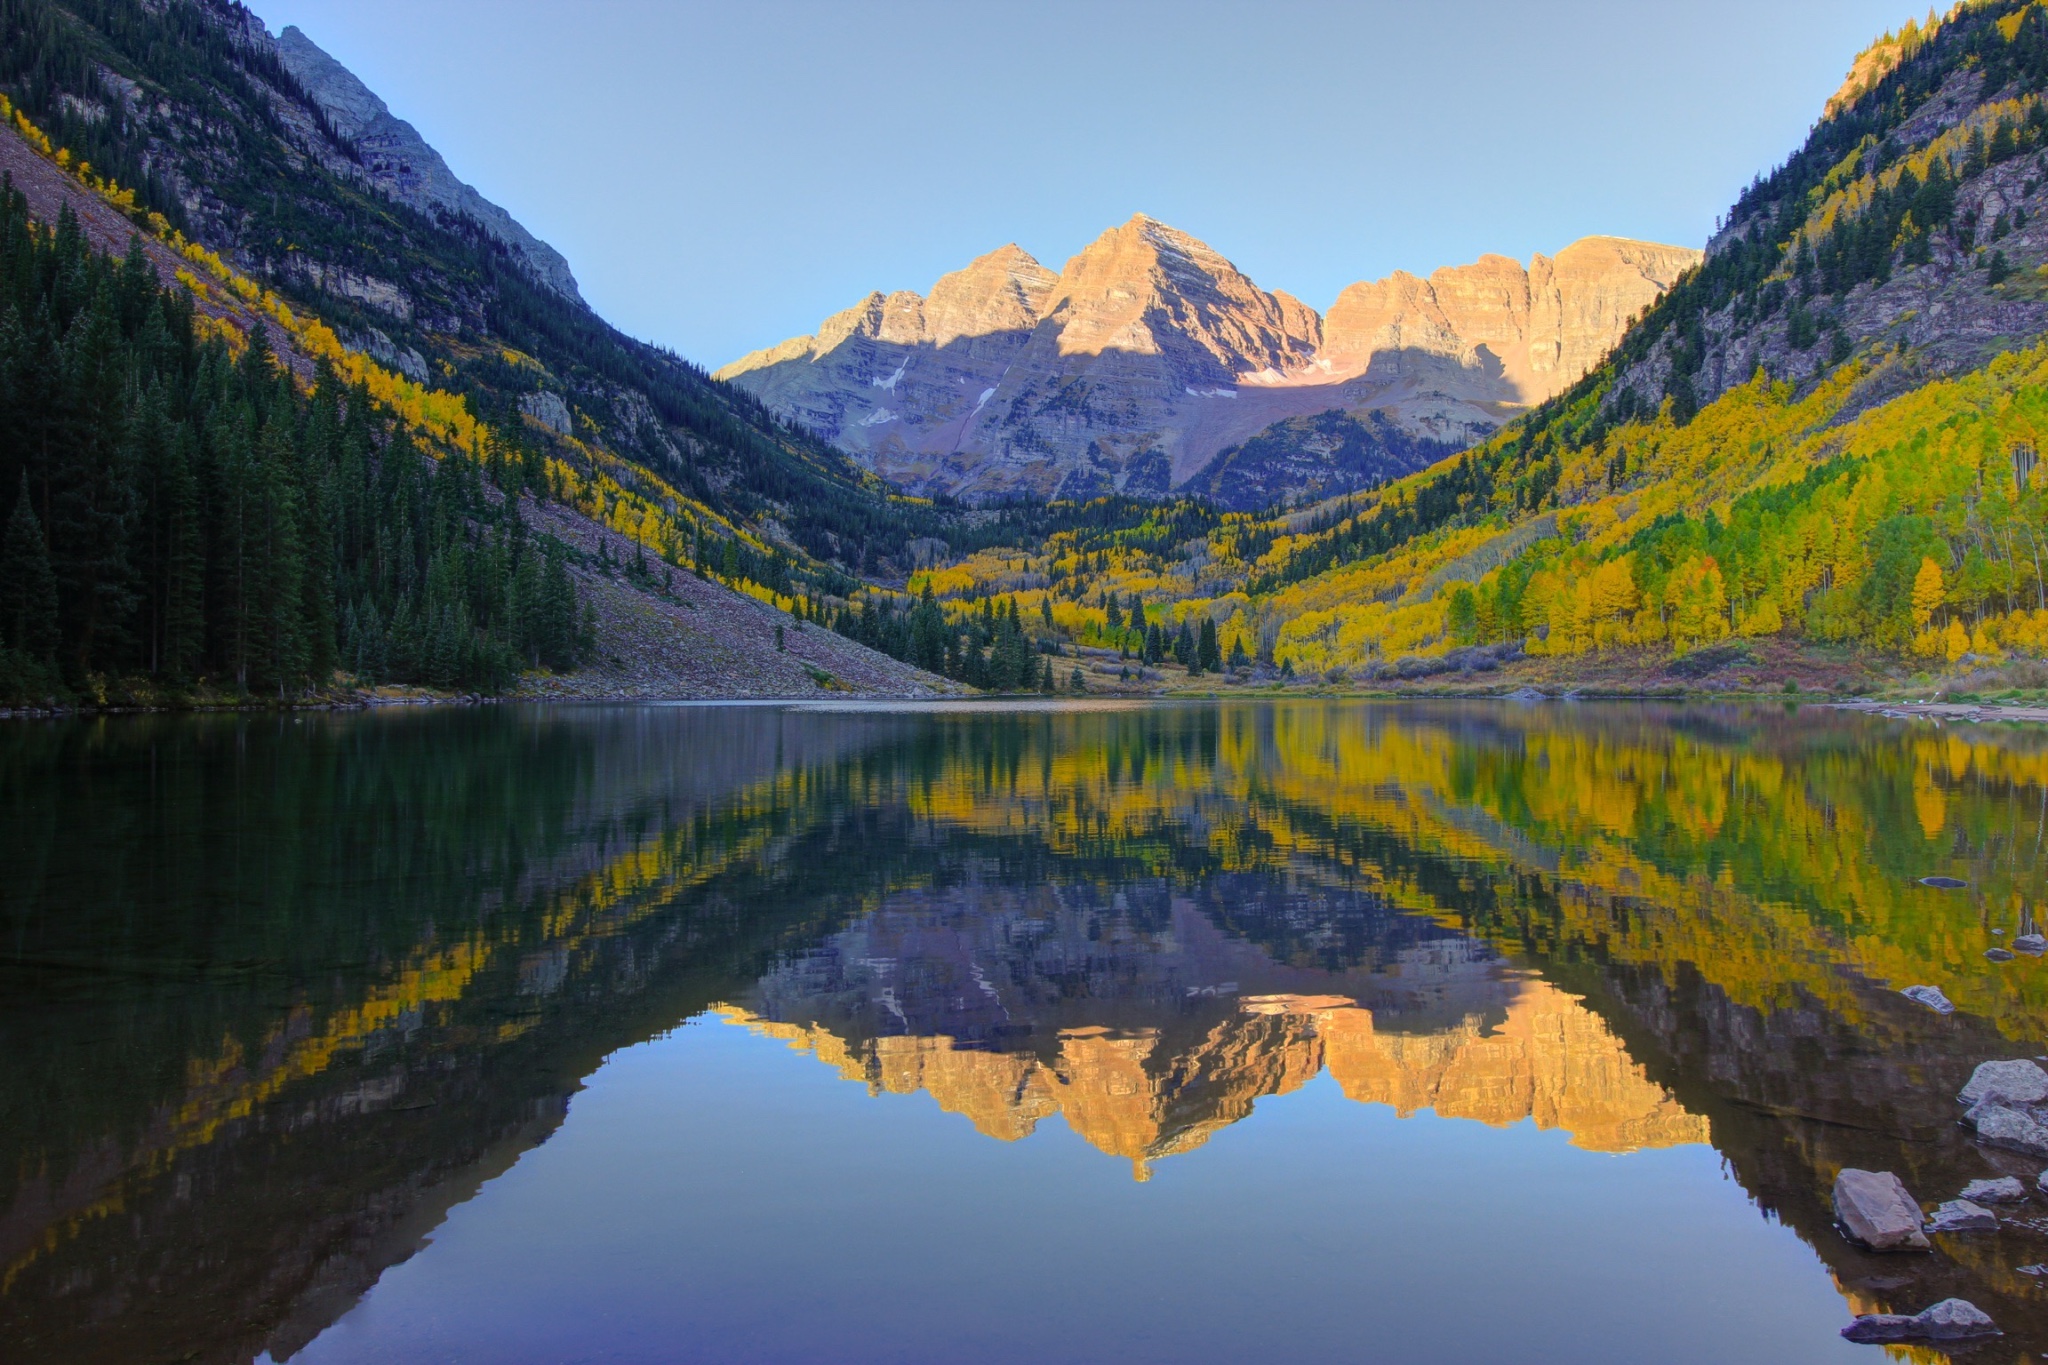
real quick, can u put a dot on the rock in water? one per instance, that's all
(2016, 1130)
(1875, 1209)
(1998, 954)
(2034, 944)
(1960, 1215)
(1943, 883)
(1931, 997)
(1949, 1320)
(2003, 1190)
(2019, 1081)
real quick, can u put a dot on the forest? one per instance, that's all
(178, 514)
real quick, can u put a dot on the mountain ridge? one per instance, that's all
(1148, 355)
(401, 163)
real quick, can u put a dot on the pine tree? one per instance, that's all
(28, 588)
(1208, 656)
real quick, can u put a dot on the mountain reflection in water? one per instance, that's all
(1148, 1026)
(277, 994)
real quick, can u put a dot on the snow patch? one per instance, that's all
(890, 382)
(1212, 393)
(986, 394)
(877, 417)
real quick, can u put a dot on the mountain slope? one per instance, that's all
(1149, 355)
(317, 192)
(152, 417)
(1816, 459)
(401, 164)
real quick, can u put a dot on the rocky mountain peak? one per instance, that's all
(1537, 328)
(400, 163)
(1151, 289)
(1149, 354)
(1005, 290)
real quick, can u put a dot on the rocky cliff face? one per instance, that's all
(1149, 356)
(399, 162)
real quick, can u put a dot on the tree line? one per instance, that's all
(185, 516)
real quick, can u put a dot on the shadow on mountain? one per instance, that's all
(979, 417)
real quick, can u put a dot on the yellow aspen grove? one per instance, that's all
(1699, 602)
(1957, 641)
(1928, 591)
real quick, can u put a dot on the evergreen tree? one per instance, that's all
(1208, 656)
(28, 588)
(928, 634)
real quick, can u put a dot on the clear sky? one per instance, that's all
(722, 174)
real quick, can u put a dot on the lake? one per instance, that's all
(1239, 1031)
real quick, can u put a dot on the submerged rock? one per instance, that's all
(2018, 1081)
(1949, 1320)
(1943, 883)
(2003, 1190)
(1875, 1210)
(1998, 954)
(1931, 997)
(2003, 1125)
(1960, 1215)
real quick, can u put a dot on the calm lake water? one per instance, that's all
(1233, 1032)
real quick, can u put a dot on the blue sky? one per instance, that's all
(723, 175)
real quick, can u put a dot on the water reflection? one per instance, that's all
(1144, 1022)
(277, 994)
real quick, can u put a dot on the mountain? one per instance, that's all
(1150, 354)
(398, 161)
(1814, 461)
(455, 419)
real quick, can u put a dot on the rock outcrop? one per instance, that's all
(1876, 1211)
(1949, 1320)
(398, 161)
(1150, 361)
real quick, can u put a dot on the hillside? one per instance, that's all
(1815, 459)
(186, 223)
(1151, 365)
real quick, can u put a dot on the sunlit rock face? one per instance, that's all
(1149, 354)
(1146, 1028)
(1535, 330)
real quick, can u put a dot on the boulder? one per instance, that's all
(1960, 1215)
(1998, 954)
(2032, 944)
(2004, 1190)
(1875, 1210)
(1949, 1320)
(2019, 1081)
(1931, 997)
(2016, 1130)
